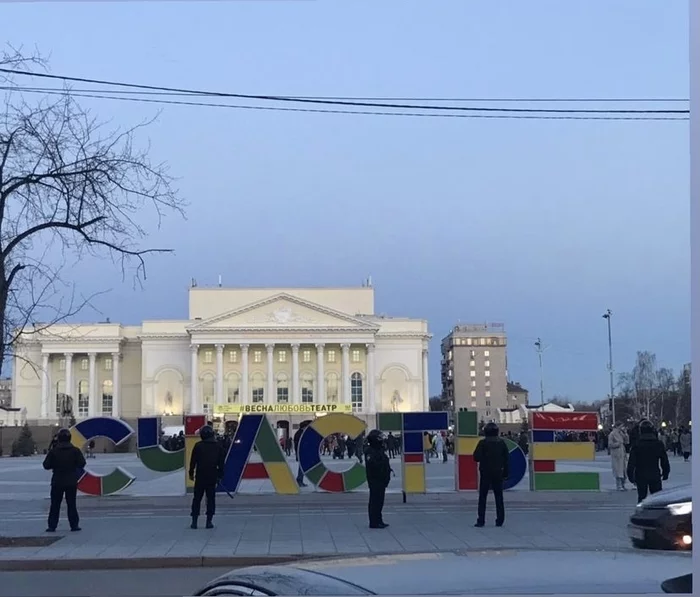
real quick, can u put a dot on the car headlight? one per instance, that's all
(681, 509)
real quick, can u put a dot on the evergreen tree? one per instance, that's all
(24, 445)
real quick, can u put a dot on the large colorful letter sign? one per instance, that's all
(112, 429)
(412, 426)
(545, 451)
(310, 453)
(152, 455)
(467, 470)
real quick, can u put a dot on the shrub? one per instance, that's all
(24, 445)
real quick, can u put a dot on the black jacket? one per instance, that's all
(66, 461)
(648, 459)
(207, 463)
(377, 466)
(492, 455)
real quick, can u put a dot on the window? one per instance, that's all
(487, 363)
(449, 355)
(482, 341)
(473, 403)
(60, 396)
(307, 388)
(487, 353)
(306, 356)
(83, 398)
(332, 387)
(355, 356)
(107, 397)
(257, 356)
(233, 391)
(331, 356)
(208, 356)
(84, 364)
(282, 388)
(108, 364)
(472, 363)
(487, 373)
(487, 383)
(282, 356)
(258, 388)
(472, 373)
(473, 393)
(488, 393)
(232, 356)
(208, 390)
(488, 403)
(472, 354)
(469, 341)
(473, 383)
(356, 391)
(488, 413)
(62, 365)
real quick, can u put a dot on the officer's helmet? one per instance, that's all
(63, 435)
(375, 438)
(646, 427)
(206, 432)
(491, 429)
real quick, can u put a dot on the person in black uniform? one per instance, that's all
(378, 471)
(65, 461)
(648, 462)
(206, 470)
(492, 455)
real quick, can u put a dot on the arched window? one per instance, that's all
(107, 393)
(356, 391)
(257, 386)
(208, 393)
(282, 388)
(233, 388)
(307, 388)
(332, 387)
(83, 398)
(60, 394)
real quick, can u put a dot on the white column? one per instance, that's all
(69, 381)
(245, 396)
(195, 406)
(426, 386)
(371, 383)
(346, 373)
(296, 399)
(92, 386)
(45, 383)
(270, 374)
(116, 386)
(320, 376)
(219, 373)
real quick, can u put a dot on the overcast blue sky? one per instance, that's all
(541, 225)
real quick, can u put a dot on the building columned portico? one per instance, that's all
(239, 347)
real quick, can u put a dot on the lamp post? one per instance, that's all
(540, 349)
(608, 316)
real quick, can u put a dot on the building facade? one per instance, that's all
(473, 369)
(517, 395)
(280, 348)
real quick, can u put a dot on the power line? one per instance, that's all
(279, 98)
(351, 112)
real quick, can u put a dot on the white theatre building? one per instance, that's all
(239, 346)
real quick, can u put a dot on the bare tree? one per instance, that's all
(69, 188)
(644, 376)
(665, 386)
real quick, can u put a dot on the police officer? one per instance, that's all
(206, 470)
(378, 472)
(648, 462)
(492, 455)
(65, 461)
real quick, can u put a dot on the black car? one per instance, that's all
(664, 521)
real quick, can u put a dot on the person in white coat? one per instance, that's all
(439, 445)
(616, 443)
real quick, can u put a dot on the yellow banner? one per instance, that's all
(281, 409)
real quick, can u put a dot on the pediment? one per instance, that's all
(283, 311)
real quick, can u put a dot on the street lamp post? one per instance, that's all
(608, 316)
(540, 349)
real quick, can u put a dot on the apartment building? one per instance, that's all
(474, 369)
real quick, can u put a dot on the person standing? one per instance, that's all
(618, 456)
(440, 448)
(685, 441)
(297, 438)
(648, 462)
(492, 455)
(378, 471)
(206, 470)
(65, 461)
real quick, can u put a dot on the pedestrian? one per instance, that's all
(492, 455)
(378, 470)
(207, 471)
(297, 437)
(427, 446)
(648, 462)
(618, 456)
(440, 447)
(686, 443)
(66, 462)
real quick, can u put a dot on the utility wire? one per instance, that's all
(278, 98)
(353, 112)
